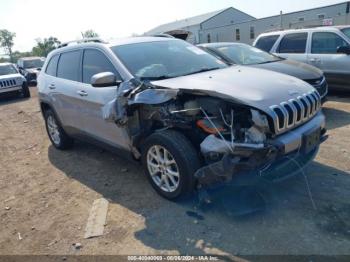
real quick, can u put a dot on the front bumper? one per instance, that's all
(282, 157)
(10, 89)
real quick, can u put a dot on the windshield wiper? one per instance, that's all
(203, 70)
(150, 78)
(267, 62)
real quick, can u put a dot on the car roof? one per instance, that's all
(5, 64)
(321, 28)
(29, 58)
(114, 42)
(221, 44)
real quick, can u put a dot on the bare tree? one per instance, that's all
(6, 42)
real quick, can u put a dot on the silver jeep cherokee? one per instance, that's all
(193, 121)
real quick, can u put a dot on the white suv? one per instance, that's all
(327, 48)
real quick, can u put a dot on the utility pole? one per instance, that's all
(281, 21)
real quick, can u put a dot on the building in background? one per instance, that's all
(232, 25)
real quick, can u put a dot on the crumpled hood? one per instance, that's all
(293, 68)
(258, 88)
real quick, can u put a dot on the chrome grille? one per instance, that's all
(7, 83)
(293, 112)
(320, 84)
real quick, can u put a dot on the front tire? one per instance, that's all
(170, 161)
(58, 137)
(25, 90)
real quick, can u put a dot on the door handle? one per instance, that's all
(315, 60)
(52, 86)
(82, 93)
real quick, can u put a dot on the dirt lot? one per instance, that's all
(46, 196)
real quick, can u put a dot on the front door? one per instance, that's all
(94, 62)
(293, 46)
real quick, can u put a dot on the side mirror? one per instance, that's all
(20, 68)
(344, 50)
(104, 79)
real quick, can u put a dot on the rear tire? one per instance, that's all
(171, 172)
(25, 90)
(58, 137)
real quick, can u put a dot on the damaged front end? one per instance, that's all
(231, 138)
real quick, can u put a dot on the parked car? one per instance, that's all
(30, 67)
(11, 81)
(192, 120)
(327, 48)
(243, 54)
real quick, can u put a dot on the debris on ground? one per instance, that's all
(52, 243)
(9, 199)
(77, 245)
(31, 146)
(19, 236)
(7, 208)
(124, 170)
(97, 218)
(194, 215)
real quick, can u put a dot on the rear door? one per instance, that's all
(64, 91)
(96, 61)
(323, 54)
(293, 46)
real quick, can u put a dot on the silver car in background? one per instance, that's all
(327, 48)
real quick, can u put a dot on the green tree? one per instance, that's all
(45, 46)
(6, 41)
(89, 34)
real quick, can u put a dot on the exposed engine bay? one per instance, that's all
(229, 137)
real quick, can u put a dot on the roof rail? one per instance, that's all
(84, 40)
(163, 35)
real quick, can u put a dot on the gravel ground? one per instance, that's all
(46, 196)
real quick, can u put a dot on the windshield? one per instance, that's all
(346, 31)
(246, 55)
(165, 59)
(7, 70)
(35, 63)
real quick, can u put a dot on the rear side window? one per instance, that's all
(52, 66)
(95, 62)
(293, 43)
(266, 42)
(68, 66)
(326, 43)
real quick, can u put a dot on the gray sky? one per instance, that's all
(65, 19)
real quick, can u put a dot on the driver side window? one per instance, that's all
(94, 62)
